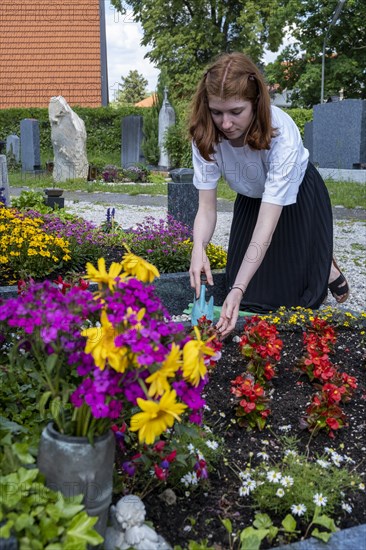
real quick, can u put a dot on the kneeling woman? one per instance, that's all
(281, 242)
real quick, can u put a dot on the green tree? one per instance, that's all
(299, 66)
(184, 35)
(133, 88)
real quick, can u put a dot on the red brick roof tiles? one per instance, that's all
(47, 48)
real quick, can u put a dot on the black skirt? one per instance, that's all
(296, 267)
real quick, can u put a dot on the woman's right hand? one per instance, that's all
(199, 264)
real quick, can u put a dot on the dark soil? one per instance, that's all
(292, 392)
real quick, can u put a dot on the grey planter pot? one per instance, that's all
(73, 466)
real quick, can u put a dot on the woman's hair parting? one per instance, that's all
(231, 75)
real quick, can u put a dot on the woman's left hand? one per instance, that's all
(229, 313)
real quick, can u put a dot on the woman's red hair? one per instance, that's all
(231, 75)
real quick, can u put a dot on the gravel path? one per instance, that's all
(349, 241)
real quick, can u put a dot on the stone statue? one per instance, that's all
(68, 136)
(166, 119)
(128, 528)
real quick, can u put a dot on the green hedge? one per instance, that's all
(103, 126)
(300, 116)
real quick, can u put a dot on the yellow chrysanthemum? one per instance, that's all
(138, 267)
(101, 275)
(100, 344)
(194, 351)
(159, 379)
(156, 417)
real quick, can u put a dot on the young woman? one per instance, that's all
(281, 241)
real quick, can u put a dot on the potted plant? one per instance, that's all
(99, 359)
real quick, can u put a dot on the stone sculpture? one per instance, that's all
(68, 136)
(166, 119)
(128, 528)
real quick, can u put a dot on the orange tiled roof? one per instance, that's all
(147, 102)
(49, 48)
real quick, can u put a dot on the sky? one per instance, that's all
(124, 52)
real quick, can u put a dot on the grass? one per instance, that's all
(342, 193)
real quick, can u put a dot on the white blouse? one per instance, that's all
(274, 175)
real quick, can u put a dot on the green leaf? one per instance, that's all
(250, 542)
(262, 521)
(43, 402)
(49, 529)
(227, 524)
(5, 530)
(272, 533)
(250, 533)
(51, 362)
(289, 524)
(23, 521)
(327, 522)
(67, 507)
(81, 530)
(21, 450)
(322, 535)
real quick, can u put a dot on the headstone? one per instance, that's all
(132, 136)
(339, 134)
(182, 196)
(13, 146)
(166, 119)
(4, 181)
(68, 136)
(30, 149)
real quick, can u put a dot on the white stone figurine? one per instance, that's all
(129, 529)
(68, 136)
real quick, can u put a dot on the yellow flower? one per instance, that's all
(156, 416)
(138, 267)
(159, 379)
(194, 351)
(101, 275)
(100, 344)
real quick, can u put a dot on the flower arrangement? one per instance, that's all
(261, 347)
(113, 355)
(26, 247)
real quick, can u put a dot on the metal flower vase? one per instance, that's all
(73, 466)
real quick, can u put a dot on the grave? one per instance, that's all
(4, 181)
(30, 145)
(166, 120)
(13, 146)
(68, 136)
(132, 136)
(182, 196)
(336, 138)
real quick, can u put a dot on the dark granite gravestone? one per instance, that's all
(30, 145)
(13, 146)
(4, 181)
(339, 134)
(132, 136)
(182, 196)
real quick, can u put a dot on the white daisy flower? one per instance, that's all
(287, 481)
(336, 458)
(285, 428)
(323, 463)
(348, 459)
(189, 479)
(244, 475)
(298, 509)
(347, 507)
(320, 500)
(244, 491)
(361, 486)
(263, 456)
(251, 484)
(274, 477)
(289, 452)
(212, 444)
(191, 448)
(280, 492)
